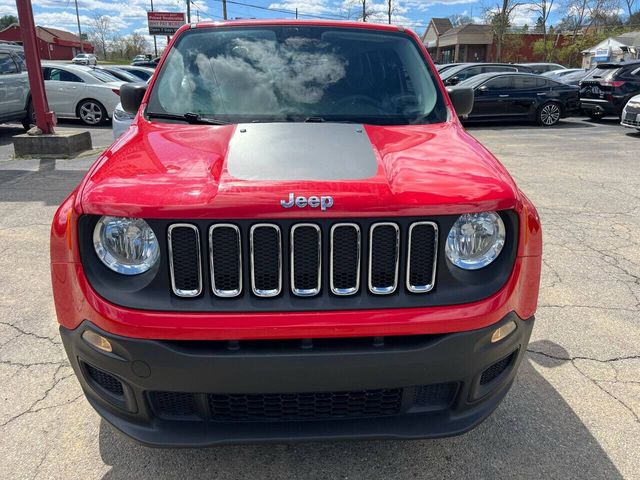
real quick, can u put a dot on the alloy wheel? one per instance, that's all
(91, 113)
(550, 114)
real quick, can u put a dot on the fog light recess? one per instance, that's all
(97, 341)
(503, 332)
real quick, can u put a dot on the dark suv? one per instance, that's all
(608, 88)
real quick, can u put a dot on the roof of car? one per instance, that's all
(481, 77)
(618, 64)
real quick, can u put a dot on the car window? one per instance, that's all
(541, 82)
(7, 65)
(468, 72)
(141, 74)
(278, 73)
(60, 75)
(524, 83)
(498, 83)
(498, 68)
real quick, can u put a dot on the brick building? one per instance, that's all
(53, 44)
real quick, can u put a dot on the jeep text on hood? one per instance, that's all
(296, 239)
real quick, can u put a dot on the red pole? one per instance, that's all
(45, 119)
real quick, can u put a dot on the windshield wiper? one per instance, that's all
(189, 117)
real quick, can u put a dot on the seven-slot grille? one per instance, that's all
(266, 262)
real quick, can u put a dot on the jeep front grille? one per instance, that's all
(312, 258)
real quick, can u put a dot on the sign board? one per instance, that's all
(164, 23)
(602, 55)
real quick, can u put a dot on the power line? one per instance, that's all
(281, 10)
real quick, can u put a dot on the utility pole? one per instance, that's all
(79, 31)
(155, 44)
(389, 4)
(224, 9)
(296, 13)
(45, 119)
(188, 11)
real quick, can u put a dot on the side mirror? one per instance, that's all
(131, 95)
(483, 89)
(462, 99)
(453, 81)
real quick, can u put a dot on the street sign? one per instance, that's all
(164, 23)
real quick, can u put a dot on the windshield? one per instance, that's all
(82, 55)
(602, 72)
(297, 73)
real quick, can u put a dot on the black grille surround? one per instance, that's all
(152, 290)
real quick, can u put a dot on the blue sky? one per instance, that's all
(130, 15)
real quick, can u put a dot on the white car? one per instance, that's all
(85, 59)
(121, 121)
(631, 113)
(76, 91)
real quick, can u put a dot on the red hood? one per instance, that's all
(164, 170)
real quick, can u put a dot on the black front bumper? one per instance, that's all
(183, 393)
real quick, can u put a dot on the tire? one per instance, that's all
(595, 115)
(549, 114)
(92, 113)
(30, 117)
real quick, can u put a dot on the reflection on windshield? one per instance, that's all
(249, 74)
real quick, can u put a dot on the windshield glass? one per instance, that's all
(297, 73)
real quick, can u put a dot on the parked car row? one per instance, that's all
(547, 92)
(520, 96)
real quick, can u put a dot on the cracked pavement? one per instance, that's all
(574, 411)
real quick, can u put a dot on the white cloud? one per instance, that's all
(313, 7)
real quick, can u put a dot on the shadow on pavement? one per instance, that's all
(533, 434)
(7, 132)
(39, 181)
(502, 124)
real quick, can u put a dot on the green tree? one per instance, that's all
(7, 20)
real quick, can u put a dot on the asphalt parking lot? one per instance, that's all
(574, 411)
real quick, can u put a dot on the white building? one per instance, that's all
(622, 48)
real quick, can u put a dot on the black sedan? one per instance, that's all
(521, 96)
(465, 71)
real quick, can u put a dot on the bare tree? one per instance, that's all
(500, 22)
(100, 31)
(588, 13)
(630, 4)
(458, 19)
(365, 11)
(543, 9)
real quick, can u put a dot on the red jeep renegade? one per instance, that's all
(296, 239)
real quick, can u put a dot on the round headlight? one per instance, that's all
(126, 245)
(475, 240)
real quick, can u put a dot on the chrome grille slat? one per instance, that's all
(265, 283)
(303, 268)
(420, 265)
(226, 280)
(377, 247)
(342, 286)
(186, 280)
(266, 264)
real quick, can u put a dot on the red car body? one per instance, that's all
(172, 171)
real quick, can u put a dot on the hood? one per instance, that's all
(164, 170)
